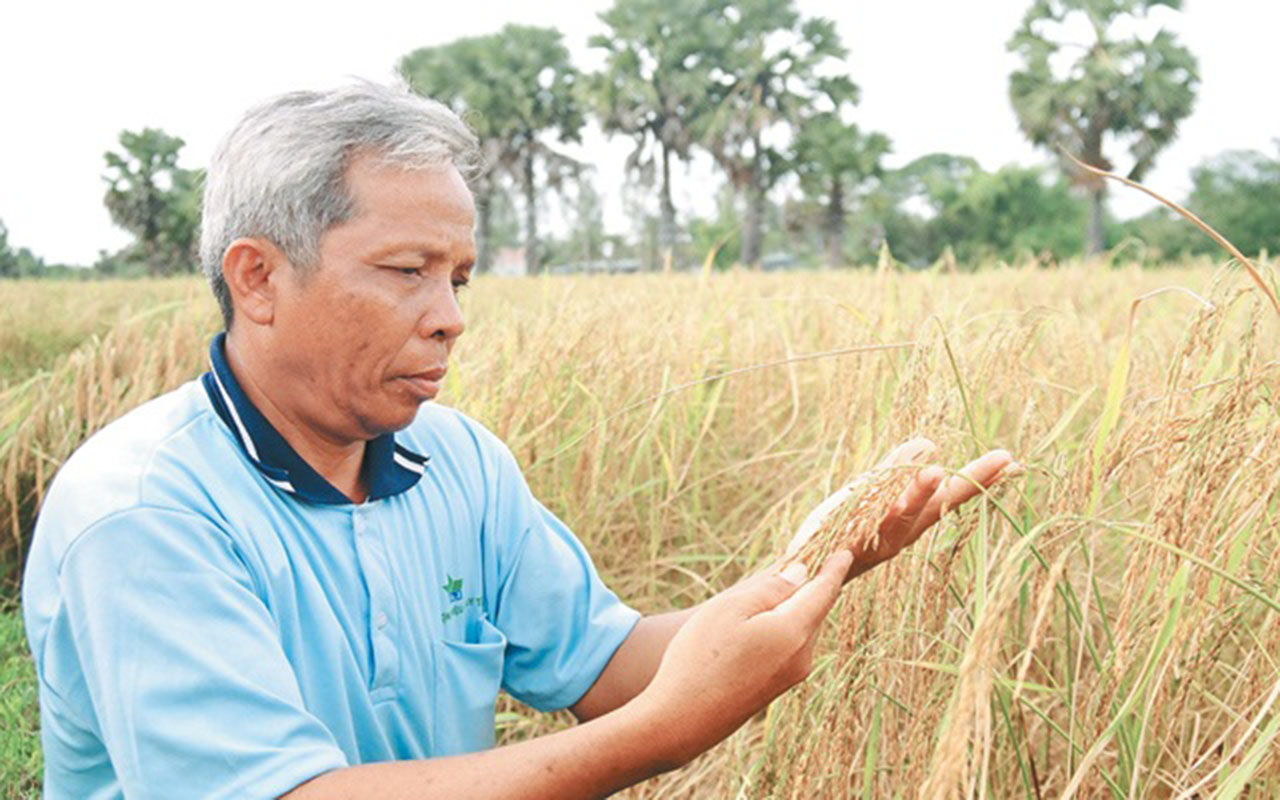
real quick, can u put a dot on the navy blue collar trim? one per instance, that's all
(388, 468)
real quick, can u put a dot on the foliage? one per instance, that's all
(513, 87)
(834, 159)
(127, 262)
(773, 68)
(942, 201)
(1130, 88)
(903, 208)
(938, 179)
(20, 262)
(20, 760)
(17, 263)
(1160, 234)
(1012, 213)
(587, 238)
(653, 87)
(764, 90)
(1237, 192)
(157, 201)
(717, 235)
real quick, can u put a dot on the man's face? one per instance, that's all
(366, 333)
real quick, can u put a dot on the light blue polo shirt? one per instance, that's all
(210, 618)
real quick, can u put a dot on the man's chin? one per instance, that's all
(393, 421)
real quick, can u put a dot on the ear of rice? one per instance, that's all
(850, 517)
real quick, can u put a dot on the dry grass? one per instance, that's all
(41, 320)
(45, 416)
(1105, 625)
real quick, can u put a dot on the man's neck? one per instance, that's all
(336, 460)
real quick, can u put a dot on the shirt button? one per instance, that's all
(380, 620)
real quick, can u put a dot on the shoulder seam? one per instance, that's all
(84, 533)
(146, 467)
(143, 474)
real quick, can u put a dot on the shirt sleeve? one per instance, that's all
(182, 665)
(561, 622)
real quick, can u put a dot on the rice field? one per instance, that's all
(1107, 624)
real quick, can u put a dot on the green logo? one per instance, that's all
(453, 588)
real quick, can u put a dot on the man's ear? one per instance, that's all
(253, 269)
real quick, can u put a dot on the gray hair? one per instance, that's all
(280, 173)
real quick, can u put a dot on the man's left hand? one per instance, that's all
(930, 495)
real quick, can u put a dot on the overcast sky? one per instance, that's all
(933, 75)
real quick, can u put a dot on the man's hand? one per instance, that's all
(922, 503)
(916, 510)
(747, 645)
(737, 652)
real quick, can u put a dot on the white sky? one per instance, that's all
(933, 75)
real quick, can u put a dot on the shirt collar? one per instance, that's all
(388, 467)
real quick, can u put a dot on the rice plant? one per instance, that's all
(1103, 625)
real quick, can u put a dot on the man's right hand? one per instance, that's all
(739, 651)
(735, 653)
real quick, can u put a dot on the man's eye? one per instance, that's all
(406, 271)
(460, 283)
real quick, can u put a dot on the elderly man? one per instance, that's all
(295, 577)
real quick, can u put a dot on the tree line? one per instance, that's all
(762, 90)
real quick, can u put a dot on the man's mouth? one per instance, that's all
(426, 384)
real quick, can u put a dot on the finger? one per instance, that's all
(811, 644)
(911, 504)
(976, 475)
(809, 604)
(912, 451)
(964, 486)
(764, 592)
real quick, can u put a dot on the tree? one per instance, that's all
(513, 87)
(833, 159)
(153, 198)
(1128, 88)
(717, 237)
(1237, 192)
(653, 87)
(587, 236)
(771, 68)
(584, 240)
(942, 200)
(904, 208)
(1012, 212)
(8, 258)
(22, 263)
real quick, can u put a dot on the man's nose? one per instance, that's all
(442, 317)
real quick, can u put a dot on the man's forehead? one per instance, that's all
(390, 189)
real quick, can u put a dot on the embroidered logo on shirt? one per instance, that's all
(453, 588)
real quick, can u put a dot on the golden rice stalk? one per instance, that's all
(1208, 230)
(850, 517)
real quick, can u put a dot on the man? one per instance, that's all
(295, 578)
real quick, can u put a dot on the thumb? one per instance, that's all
(809, 604)
(765, 592)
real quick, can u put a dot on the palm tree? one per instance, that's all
(1125, 88)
